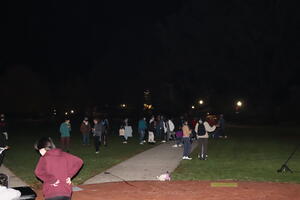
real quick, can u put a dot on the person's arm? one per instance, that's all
(196, 127)
(41, 172)
(209, 128)
(74, 164)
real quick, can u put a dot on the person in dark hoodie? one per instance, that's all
(55, 168)
(97, 133)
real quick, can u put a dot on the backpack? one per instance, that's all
(201, 130)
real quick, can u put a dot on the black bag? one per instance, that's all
(201, 130)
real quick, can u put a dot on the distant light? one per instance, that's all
(123, 105)
(66, 113)
(72, 111)
(239, 104)
(193, 107)
(201, 102)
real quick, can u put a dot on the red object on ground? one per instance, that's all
(187, 190)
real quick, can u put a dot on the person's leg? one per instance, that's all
(96, 143)
(205, 144)
(88, 138)
(142, 136)
(105, 138)
(189, 147)
(83, 138)
(68, 143)
(62, 143)
(185, 147)
(200, 142)
(151, 137)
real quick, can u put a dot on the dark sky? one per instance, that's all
(190, 47)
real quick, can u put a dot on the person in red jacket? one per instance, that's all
(56, 168)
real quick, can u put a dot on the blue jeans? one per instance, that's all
(186, 146)
(85, 138)
(142, 135)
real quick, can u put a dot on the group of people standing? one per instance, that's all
(159, 128)
(183, 132)
(99, 131)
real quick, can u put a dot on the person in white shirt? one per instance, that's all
(5, 192)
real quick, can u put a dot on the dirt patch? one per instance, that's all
(188, 190)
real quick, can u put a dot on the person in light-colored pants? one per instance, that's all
(151, 137)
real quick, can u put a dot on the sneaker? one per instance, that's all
(163, 141)
(125, 142)
(175, 145)
(184, 158)
(144, 141)
(188, 158)
(180, 145)
(141, 143)
(97, 152)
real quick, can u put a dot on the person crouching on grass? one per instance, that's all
(55, 168)
(186, 141)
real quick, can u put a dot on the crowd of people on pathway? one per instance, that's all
(156, 129)
(57, 166)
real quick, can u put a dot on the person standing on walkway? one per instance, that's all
(187, 145)
(142, 127)
(202, 130)
(56, 169)
(169, 129)
(85, 129)
(65, 129)
(151, 130)
(97, 132)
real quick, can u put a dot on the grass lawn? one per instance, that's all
(249, 154)
(22, 158)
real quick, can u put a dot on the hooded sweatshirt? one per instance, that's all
(57, 165)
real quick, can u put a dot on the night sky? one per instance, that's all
(84, 53)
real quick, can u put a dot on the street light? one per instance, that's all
(201, 102)
(239, 104)
(193, 107)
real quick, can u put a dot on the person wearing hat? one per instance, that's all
(85, 129)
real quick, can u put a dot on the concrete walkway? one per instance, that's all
(144, 166)
(14, 181)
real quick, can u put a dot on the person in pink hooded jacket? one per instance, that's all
(56, 168)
